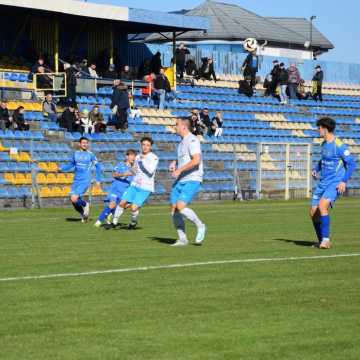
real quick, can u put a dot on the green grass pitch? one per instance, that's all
(304, 309)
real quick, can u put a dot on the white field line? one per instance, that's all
(175, 266)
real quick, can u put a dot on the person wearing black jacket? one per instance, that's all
(156, 63)
(275, 72)
(180, 55)
(283, 81)
(126, 74)
(68, 119)
(120, 105)
(245, 87)
(318, 79)
(19, 120)
(207, 69)
(250, 67)
(71, 74)
(4, 116)
(111, 73)
(161, 87)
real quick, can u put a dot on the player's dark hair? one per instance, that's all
(131, 151)
(83, 138)
(187, 121)
(327, 123)
(147, 138)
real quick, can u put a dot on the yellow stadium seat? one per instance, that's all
(20, 179)
(62, 179)
(9, 177)
(56, 191)
(51, 166)
(45, 192)
(43, 166)
(51, 179)
(65, 190)
(41, 179)
(24, 156)
(3, 148)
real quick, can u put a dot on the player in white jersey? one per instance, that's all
(188, 172)
(143, 183)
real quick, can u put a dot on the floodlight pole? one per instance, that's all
(312, 18)
(174, 58)
(56, 44)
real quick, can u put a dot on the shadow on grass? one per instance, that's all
(163, 240)
(73, 219)
(298, 242)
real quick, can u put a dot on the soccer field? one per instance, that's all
(256, 289)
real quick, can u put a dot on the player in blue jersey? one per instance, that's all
(123, 177)
(82, 162)
(334, 171)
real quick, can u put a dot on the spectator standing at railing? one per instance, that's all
(35, 68)
(68, 118)
(283, 82)
(5, 119)
(294, 80)
(19, 120)
(71, 74)
(91, 71)
(180, 55)
(120, 106)
(126, 74)
(161, 88)
(111, 73)
(217, 125)
(156, 63)
(144, 68)
(43, 81)
(97, 119)
(49, 108)
(275, 74)
(317, 83)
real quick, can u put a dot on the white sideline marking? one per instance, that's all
(174, 266)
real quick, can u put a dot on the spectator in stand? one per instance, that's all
(97, 120)
(68, 119)
(144, 69)
(161, 88)
(43, 81)
(180, 56)
(190, 67)
(71, 74)
(302, 94)
(250, 67)
(126, 74)
(85, 122)
(19, 120)
(49, 108)
(207, 69)
(293, 81)
(147, 91)
(318, 79)
(5, 119)
(91, 71)
(120, 105)
(275, 73)
(267, 85)
(283, 81)
(206, 121)
(156, 63)
(217, 125)
(84, 66)
(111, 73)
(198, 128)
(35, 68)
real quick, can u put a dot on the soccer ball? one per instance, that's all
(250, 44)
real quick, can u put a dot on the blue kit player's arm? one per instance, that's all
(349, 162)
(317, 167)
(70, 165)
(98, 168)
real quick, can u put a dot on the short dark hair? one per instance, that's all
(327, 123)
(186, 121)
(147, 138)
(130, 151)
(282, 64)
(83, 138)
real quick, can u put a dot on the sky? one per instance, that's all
(337, 20)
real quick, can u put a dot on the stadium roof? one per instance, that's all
(233, 23)
(140, 20)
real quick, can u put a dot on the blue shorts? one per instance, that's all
(114, 197)
(136, 196)
(184, 191)
(325, 191)
(79, 188)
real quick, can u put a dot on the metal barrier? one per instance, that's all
(56, 81)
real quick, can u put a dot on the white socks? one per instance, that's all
(179, 224)
(190, 215)
(118, 212)
(134, 215)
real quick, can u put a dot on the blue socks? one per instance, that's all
(325, 227)
(81, 202)
(79, 206)
(317, 227)
(105, 213)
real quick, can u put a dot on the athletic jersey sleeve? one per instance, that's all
(348, 160)
(70, 165)
(98, 168)
(194, 146)
(317, 167)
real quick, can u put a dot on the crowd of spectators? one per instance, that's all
(202, 124)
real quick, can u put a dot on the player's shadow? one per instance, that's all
(163, 240)
(73, 219)
(298, 242)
